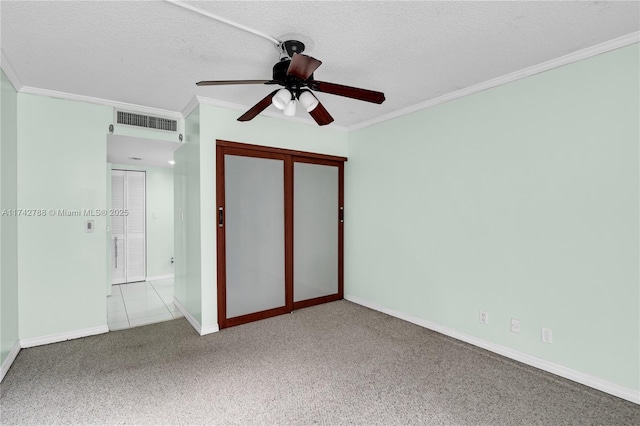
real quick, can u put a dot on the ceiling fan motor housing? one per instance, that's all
(280, 70)
(291, 82)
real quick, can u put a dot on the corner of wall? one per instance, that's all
(9, 291)
(187, 228)
(8, 360)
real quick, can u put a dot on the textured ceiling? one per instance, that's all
(122, 149)
(151, 53)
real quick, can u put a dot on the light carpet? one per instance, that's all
(332, 364)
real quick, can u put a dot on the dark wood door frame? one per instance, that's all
(289, 157)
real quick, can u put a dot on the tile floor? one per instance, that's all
(134, 304)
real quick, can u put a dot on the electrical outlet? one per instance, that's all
(484, 317)
(547, 335)
(515, 325)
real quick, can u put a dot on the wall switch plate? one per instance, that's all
(515, 325)
(547, 335)
(88, 226)
(484, 317)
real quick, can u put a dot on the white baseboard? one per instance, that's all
(559, 370)
(159, 277)
(9, 360)
(208, 329)
(61, 337)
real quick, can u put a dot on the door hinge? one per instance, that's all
(341, 215)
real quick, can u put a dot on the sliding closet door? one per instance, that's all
(317, 267)
(280, 228)
(252, 217)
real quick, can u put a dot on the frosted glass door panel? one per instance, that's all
(315, 230)
(254, 235)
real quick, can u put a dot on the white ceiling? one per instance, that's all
(122, 149)
(151, 53)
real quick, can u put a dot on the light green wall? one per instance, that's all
(522, 201)
(187, 228)
(220, 123)
(8, 224)
(61, 165)
(159, 208)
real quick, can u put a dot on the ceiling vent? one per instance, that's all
(150, 122)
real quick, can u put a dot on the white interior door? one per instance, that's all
(135, 201)
(128, 230)
(118, 256)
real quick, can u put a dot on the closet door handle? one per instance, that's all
(116, 243)
(220, 217)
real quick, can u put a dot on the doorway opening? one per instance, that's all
(140, 231)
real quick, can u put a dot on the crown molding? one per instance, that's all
(273, 114)
(9, 72)
(579, 55)
(196, 100)
(193, 103)
(99, 101)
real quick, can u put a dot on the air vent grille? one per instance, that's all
(139, 120)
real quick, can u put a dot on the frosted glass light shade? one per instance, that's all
(281, 99)
(290, 109)
(308, 101)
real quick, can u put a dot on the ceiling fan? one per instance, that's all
(294, 72)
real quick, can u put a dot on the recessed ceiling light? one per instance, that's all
(172, 162)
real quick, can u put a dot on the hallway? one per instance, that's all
(135, 304)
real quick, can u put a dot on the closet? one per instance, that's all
(280, 231)
(128, 226)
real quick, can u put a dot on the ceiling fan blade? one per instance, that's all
(226, 82)
(257, 108)
(348, 91)
(321, 115)
(302, 66)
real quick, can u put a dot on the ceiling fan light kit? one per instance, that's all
(294, 72)
(308, 101)
(290, 109)
(282, 98)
